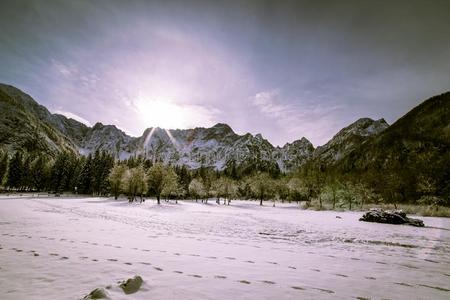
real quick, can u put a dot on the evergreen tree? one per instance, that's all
(26, 172)
(85, 181)
(39, 173)
(61, 172)
(15, 174)
(4, 161)
(184, 177)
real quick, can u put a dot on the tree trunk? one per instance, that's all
(260, 201)
(334, 200)
(158, 199)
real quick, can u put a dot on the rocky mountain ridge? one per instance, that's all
(26, 125)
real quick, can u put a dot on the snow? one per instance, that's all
(63, 248)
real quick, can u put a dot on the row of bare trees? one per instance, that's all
(162, 181)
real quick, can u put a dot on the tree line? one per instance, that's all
(137, 178)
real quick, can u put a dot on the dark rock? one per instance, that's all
(378, 215)
(132, 285)
(98, 293)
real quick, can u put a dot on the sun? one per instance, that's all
(165, 112)
(161, 113)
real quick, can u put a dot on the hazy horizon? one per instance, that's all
(286, 70)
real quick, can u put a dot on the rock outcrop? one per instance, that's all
(98, 293)
(132, 285)
(378, 215)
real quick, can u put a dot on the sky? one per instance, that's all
(285, 69)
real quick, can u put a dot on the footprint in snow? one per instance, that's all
(324, 290)
(403, 284)
(244, 281)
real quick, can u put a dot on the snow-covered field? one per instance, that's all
(60, 248)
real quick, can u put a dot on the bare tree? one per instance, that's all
(159, 178)
(115, 179)
(261, 186)
(196, 189)
(135, 182)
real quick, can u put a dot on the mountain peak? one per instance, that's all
(363, 127)
(98, 126)
(223, 127)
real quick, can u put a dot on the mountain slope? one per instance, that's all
(412, 152)
(417, 143)
(348, 138)
(26, 125)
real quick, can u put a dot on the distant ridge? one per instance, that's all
(26, 125)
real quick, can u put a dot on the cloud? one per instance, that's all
(312, 116)
(267, 102)
(64, 69)
(73, 116)
(284, 70)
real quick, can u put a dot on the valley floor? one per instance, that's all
(63, 248)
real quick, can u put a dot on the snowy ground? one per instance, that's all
(55, 248)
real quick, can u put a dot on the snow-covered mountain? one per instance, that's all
(216, 147)
(26, 125)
